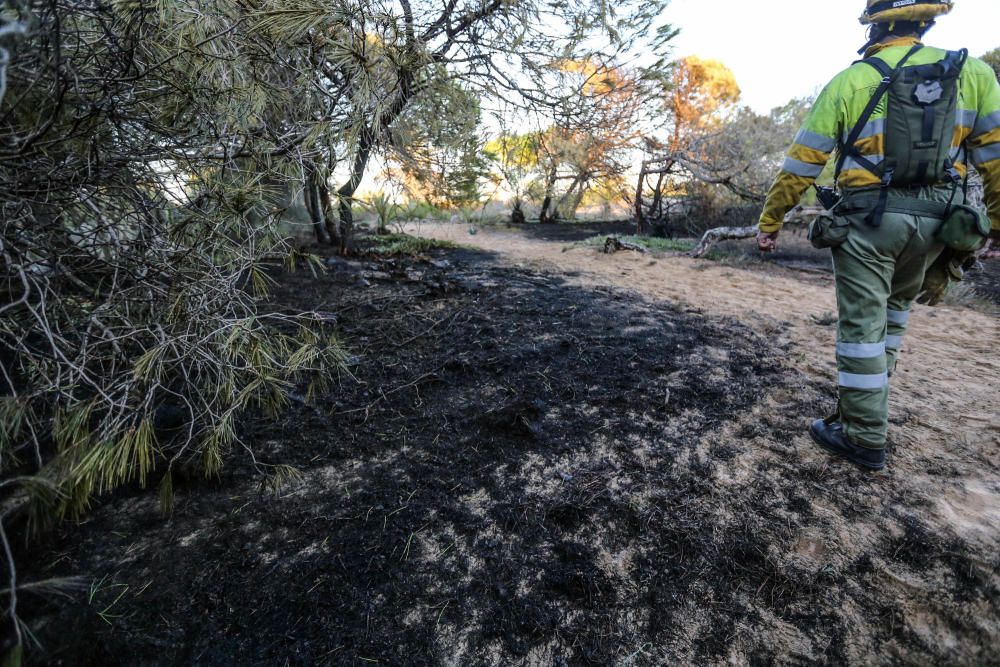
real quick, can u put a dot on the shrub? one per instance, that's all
(138, 219)
(404, 244)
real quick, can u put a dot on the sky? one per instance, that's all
(782, 49)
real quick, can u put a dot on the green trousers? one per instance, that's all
(879, 272)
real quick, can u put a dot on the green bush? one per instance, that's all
(136, 250)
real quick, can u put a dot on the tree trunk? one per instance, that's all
(330, 217)
(656, 206)
(365, 146)
(639, 215)
(346, 225)
(347, 190)
(572, 197)
(656, 209)
(613, 244)
(313, 206)
(517, 213)
(543, 217)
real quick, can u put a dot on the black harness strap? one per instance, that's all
(848, 148)
(926, 136)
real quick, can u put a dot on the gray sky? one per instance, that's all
(782, 49)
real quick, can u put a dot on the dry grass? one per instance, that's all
(965, 295)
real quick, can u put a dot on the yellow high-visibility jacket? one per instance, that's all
(840, 105)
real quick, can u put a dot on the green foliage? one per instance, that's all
(139, 233)
(663, 245)
(151, 149)
(253, 366)
(385, 211)
(441, 152)
(586, 151)
(515, 150)
(993, 60)
(517, 159)
(103, 596)
(14, 656)
(421, 210)
(404, 244)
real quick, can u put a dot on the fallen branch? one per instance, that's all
(713, 236)
(800, 215)
(613, 245)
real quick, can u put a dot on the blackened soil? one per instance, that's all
(573, 232)
(986, 280)
(514, 471)
(794, 252)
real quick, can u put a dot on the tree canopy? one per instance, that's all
(993, 60)
(700, 89)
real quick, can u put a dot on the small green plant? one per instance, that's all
(419, 210)
(385, 211)
(411, 212)
(467, 214)
(404, 244)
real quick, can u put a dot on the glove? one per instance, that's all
(949, 268)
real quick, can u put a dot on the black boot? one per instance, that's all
(831, 437)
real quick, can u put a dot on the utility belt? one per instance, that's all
(963, 228)
(899, 200)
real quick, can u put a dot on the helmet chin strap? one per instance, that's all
(875, 35)
(879, 32)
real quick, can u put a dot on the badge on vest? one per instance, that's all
(928, 92)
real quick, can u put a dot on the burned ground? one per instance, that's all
(517, 470)
(986, 280)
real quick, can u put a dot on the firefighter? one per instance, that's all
(904, 123)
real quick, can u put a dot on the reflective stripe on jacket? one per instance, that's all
(840, 105)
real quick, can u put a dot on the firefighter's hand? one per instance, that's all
(767, 241)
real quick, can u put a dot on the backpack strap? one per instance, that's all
(954, 60)
(848, 148)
